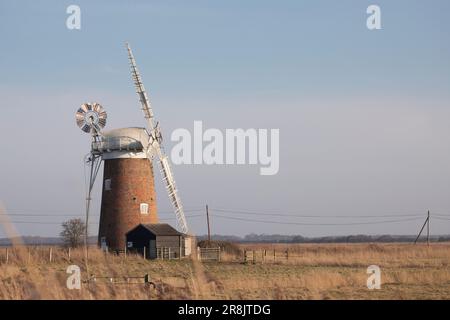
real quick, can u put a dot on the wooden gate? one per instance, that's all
(208, 254)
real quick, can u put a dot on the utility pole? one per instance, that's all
(427, 223)
(207, 221)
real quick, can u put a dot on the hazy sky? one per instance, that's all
(364, 116)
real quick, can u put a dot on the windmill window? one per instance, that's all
(108, 185)
(144, 208)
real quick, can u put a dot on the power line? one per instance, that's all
(57, 213)
(23, 212)
(39, 222)
(441, 215)
(412, 217)
(188, 216)
(59, 223)
(314, 216)
(49, 215)
(316, 224)
(448, 219)
(64, 215)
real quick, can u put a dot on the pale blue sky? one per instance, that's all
(363, 115)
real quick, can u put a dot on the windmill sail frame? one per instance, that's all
(155, 144)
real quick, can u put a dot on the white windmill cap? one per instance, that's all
(123, 143)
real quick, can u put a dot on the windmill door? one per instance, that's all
(152, 249)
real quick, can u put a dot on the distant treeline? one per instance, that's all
(260, 238)
(41, 241)
(278, 238)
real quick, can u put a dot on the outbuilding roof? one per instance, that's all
(161, 229)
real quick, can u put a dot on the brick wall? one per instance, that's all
(132, 183)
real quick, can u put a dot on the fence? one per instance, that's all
(49, 254)
(54, 254)
(254, 256)
(166, 253)
(28, 254)
(122, 280)
(208, 254)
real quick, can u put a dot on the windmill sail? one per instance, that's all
(166, 170)
(171, 188)
(140, 90)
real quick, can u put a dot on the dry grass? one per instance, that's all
(356, 255)
(322, 271)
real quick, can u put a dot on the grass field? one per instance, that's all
(311, 271)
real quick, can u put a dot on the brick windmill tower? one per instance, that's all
(128, 193)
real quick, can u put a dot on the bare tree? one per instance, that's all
(73, 232)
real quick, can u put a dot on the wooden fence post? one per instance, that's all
(7, 255)
(287, 254)
(274, 255)
(169, 253)
(50, 254)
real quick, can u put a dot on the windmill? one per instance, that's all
(128, 193)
